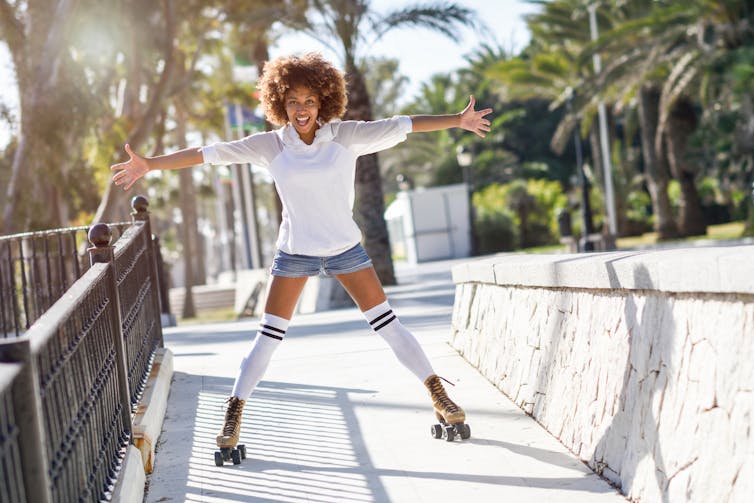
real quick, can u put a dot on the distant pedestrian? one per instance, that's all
(312, 159)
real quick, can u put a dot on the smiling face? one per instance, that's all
(302, 108)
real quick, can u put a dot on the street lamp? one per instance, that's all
(405, 183)
(612, 220)
(464, 158)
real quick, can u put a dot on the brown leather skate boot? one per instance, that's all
(446, 410)
(231, 430)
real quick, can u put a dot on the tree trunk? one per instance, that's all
(681, 124)
(370, 205)
(595, 151)
(189, 230)
(655, 171)
(113, 206)
(261, 55)
(36, 171)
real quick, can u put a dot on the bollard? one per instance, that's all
(102, 253)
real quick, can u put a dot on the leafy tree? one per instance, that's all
(156, 67)
(54, 106)
(549, 72)
(683, 53)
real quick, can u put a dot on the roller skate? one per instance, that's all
(228, 436)
(450, 415)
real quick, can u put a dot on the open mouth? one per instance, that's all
(302, 121)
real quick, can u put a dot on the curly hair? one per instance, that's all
(309, 70)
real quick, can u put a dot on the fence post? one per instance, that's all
(102, 253)
(140, 213)
(27, 407)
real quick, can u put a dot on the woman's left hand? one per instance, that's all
(473, 120)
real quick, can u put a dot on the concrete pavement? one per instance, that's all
(338, 419)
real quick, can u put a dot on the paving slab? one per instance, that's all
(338, 419)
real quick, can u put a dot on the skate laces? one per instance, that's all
(232, 415)
(440, 396)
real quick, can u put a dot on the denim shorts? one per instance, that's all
(296, 266)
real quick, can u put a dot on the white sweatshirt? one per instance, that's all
(315, 182)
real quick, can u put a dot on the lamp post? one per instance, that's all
(604, 146)
(464, 158)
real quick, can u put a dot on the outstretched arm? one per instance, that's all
(470, 120)
(127, 173)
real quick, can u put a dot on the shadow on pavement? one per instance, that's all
(303, 443)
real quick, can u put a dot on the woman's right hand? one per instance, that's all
(130, 171)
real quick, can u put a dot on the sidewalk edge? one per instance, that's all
(147, 422)
(130, 485)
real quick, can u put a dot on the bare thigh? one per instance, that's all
(364, 287)
(282, 295)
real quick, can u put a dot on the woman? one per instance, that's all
(312, 159)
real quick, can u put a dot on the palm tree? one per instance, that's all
(633, 79)
(549, 69)
(350, 27)
(678, 50)
(643, 48)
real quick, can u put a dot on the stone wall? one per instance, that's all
(641, 363)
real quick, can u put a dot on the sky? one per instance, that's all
(421, 53)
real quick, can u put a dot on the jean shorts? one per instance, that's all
(296, 266)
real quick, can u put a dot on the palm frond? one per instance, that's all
(443, 18)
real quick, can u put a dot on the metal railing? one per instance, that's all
(36, 268)
(70, 383)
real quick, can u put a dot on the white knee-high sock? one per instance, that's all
(401, 341)
(269, 336)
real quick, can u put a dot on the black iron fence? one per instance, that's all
(70, 382)
(36, 268)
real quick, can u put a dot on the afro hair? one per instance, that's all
(310, 70)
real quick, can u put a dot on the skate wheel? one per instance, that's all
(466, 433)
(226, 453)
(436, 431)
(235, 455)
(449, 434)
(218, 458)
(242, 450)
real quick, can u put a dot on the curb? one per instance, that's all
(130, 485)
(147, 422)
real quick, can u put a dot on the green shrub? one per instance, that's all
(495, 232)
(549, 199)
(519, 214)
(493, 221)
(638, 213)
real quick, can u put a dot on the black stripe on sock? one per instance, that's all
(388, 321)
(386, 313)
(271, 335)
(270, 327)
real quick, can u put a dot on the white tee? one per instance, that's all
(315, 182)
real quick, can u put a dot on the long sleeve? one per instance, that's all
(366, 137)
(258, 149)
